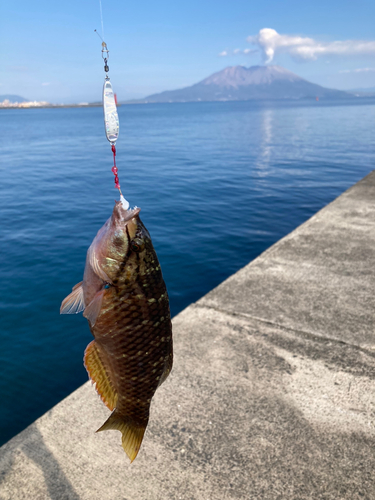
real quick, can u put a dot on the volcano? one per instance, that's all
(238, 83)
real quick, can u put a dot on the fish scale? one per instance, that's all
(135, 399)
(128, 314)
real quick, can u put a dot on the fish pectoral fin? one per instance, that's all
(132, 434)
(99, 375)
(74, 302)
(93, 309)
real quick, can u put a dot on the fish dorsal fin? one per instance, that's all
(96, 267)
(99, 375)
(74, 302)
(93, 309)
(132, 435)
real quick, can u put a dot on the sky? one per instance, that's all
(49, 50)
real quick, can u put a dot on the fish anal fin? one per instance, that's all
(93, 309)
(99, 375)
(74, 302)
(132, 434)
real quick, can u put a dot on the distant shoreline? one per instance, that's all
(95, 105)
(356, 99)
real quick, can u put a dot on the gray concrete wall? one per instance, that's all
(271, 395)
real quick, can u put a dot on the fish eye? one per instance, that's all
(137, 245)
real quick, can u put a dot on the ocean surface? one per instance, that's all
(218, 183)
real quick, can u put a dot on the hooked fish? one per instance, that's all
(125, 300)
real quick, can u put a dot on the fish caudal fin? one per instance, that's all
(132, 434)
(74, 302)
(98, 374)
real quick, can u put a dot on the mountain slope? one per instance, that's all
(12, 98)
(237, 83)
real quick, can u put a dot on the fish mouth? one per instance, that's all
(123, 215)
(131, 213)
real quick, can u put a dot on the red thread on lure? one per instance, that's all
(114, 168)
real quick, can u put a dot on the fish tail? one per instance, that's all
(132, 434)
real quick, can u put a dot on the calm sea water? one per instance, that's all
(218, 183)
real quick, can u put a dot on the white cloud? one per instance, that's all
(238, 51)
(45, 84)
(250, 51)
(358, 70)
(271, 42)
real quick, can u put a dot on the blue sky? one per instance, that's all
(50, 51)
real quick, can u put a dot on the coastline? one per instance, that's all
(362, 100)
(93, 105)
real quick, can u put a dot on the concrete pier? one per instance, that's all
(272, 395)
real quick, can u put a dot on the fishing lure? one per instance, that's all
(111, 120)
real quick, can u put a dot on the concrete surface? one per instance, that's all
(271, 395)
(318, 279)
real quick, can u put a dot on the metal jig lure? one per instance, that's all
(111, 120)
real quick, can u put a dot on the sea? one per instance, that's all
(218, 183)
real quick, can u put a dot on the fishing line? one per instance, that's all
(101, 17)
(111, 120)
(99, 36)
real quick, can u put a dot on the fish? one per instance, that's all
(125, 300)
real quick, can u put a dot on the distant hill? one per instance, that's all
(12, 98)
(365, 92)
(237, 83)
